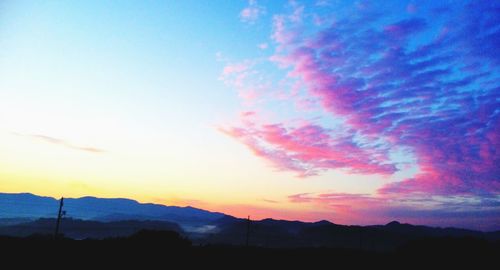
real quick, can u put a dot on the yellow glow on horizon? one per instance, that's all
(174, 173)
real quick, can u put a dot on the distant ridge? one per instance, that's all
(25, 206)
(30, 206)
(85, 229)
(24, 213)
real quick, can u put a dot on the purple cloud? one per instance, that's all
(436, 94)
(429, 84)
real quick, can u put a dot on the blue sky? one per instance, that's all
(285, 109)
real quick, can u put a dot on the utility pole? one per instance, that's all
(360, 237)
(248, 230)
(59, 216)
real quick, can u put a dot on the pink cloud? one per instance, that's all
(430, 86)
(405, 96)
(252, 12)
(309, 148)
(235, 68)
(247, 81)
(281, 34)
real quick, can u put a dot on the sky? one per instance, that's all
(356, 112)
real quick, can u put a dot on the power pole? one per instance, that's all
(248, 230)
(59, 216)
(360, 237)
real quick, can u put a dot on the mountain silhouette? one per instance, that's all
(28, 206)
(297, 234)
(89, 217)
(83, 229)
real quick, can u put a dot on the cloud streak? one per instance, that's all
(62, 142)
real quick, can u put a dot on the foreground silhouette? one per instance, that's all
(163, 234)
(164, 247)
(267, 233)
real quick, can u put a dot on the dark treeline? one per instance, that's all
(166, 246)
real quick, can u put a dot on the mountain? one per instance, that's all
(83, 229)
(28, 206)
(297, 234)
(95, 217)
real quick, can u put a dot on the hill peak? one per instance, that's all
(393, 223)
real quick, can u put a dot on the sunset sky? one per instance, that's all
(356, 112)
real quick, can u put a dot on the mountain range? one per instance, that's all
(89, 217)
(26, 206)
